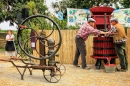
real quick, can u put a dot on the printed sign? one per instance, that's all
(123, 16)
(60, 15)
(77, 16)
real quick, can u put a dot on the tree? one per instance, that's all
(61, 6)
(125, 3)
(1, 10)
(81, 4)
(10, 8)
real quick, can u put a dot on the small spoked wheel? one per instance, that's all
(61, 68)
(52, 76)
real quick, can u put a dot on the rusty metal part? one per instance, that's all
(43, 67)
(4, 60)
(54, 72)
(52, 76)
(28, 45)
(38, 19)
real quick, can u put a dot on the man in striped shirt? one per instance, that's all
(120, 38)
(81, 37)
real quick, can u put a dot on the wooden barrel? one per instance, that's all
(103, 48)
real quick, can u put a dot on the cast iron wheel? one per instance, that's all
(30, 35)
(61, 68)
(52, 76)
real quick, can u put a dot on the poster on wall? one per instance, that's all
(77, 16)
(123, 16)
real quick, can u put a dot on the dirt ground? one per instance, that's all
(73, 76)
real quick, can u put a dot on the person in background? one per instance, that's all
(10, 46)
(82, 35)
(119, 37)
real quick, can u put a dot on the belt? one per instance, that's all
(78, 37)
(119, 42)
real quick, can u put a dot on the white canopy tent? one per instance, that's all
(6, 26)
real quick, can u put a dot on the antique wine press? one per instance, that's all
(34, 40)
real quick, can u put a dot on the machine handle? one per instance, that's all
(57, 55)
(22, 26)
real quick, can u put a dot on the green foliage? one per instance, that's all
(74, 27)
(10, 8)
(62, 23)
(125, 3)
(31, 6)
(41, 8)
(9, 11)
(1, 10)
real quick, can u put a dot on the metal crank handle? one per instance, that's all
(22, 26)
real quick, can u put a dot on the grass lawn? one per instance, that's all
(2, 50)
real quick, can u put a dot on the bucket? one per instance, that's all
(110, 68)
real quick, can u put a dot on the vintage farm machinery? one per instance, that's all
(103, 47)
(33, 39)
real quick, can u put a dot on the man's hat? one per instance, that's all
(91, 20)
(114, 19)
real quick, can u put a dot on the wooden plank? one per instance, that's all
(128, 45)
(89, 44)
(72, 45)
(68, 46)
(64, 58)
(61, 50)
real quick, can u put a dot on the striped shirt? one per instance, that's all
(86, 30)
(114, 30)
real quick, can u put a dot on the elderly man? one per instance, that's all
(81, 37)
(120, 43)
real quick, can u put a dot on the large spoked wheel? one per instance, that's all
(38, 30)
(52, 76)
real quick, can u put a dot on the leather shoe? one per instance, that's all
(122, 70)
(76, 65)
(88, 68)
(117, 69)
